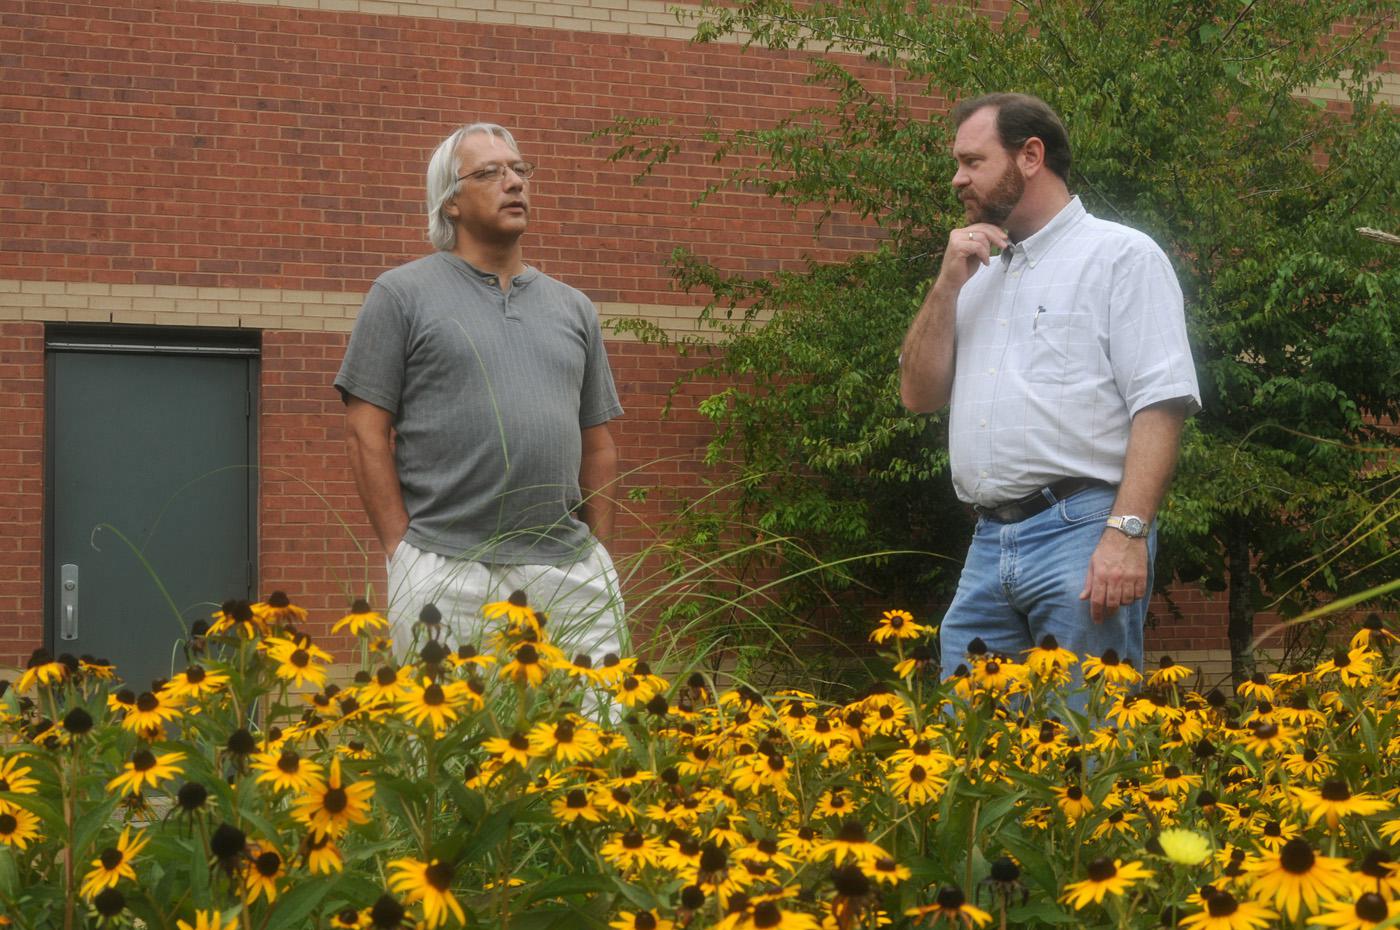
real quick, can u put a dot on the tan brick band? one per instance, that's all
(623, 17)
(244, 308)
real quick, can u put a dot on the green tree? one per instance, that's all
(1195, 121)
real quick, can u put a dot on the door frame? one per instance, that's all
(147, 340)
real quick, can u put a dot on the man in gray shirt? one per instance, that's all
(478, 395)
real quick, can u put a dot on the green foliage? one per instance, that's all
(1193, 121)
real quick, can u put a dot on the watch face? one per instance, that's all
(1132, 526)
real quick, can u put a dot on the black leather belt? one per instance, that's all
(1034, 503)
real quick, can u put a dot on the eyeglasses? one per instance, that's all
(493, 173)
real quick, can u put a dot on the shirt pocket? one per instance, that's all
(1062, 346)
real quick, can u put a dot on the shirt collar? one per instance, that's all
(489, 277)
(1036, 246)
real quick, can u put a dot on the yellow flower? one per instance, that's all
(641, 920)
(1168, 673)
(915, 784)
(574, 806)
(1223, 912)
(330, 808)
(1297, 875)
(361, 619)
(851, 843)
(14, 778)
(1106, 876)
(113, 864)
(1073, 802)
(278, 610)
(42, 669)
(1334, 801)
(145, 768)
(149, 713)
(1049, 659)
(297, 660)
(321, 854)
(429, 882)
(631, 850)
(286, 771)
(195, 683)
(17, 827)
(1367, 911)
(898, 624)
(514, 748)
(1111, 668)
(434, 703)
(566, 740)
(238, 616)
(260, 878)
(1185, 847)
(525, 666)
(210, 920)
(950, 907)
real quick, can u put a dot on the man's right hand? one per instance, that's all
(968, 247)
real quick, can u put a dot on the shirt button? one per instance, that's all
(492, 281)
(991, 371)
(983, 474)
(981, 422)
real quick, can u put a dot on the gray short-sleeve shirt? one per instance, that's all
(489, 392)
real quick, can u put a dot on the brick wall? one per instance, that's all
(21, 489)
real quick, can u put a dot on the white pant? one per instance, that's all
(583, 599)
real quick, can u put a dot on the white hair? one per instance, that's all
(443, 169)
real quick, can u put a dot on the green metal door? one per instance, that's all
(151, 497)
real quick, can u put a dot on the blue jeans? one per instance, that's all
(1022, 581)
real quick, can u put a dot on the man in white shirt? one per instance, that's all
(1066, 364)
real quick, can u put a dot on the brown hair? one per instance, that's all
(1021, 117)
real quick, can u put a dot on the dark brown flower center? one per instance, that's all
(147, 702)
(439, 875)
(1297, 857)
(917, 774)
(111, 858)
(1372, 907)
(950, 898)
(1221, 904)
(1102, 869)
(433, 695)
(633, 840)
(142, 760)
(1335, 791)
(194, 674)
(527, 655)
(268, 864)
(335, 800)
(290, 762)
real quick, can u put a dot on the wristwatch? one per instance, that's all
(1130, 526)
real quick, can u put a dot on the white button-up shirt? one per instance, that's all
(1059, 344)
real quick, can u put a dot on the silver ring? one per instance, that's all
(972, 235)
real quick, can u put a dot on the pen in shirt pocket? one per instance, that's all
(1035, 320)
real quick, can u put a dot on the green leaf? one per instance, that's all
(292, 908)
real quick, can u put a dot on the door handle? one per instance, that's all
(68, 602)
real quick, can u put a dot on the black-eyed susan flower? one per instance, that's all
(330, 808)
(575, 805)
(851, 844)
(298, 661)
(1222, 911)
(430, 883)
(1352, 667)
(1367, 911)
(763, 772)
(950, 908)
(1112, 668)
(771, 915)
(14, 778)
(41, 669)
(898, 624)
(1333, 801)
(568, 741)
(1072, 801)
(361, 620)
(260, 878)
(434, 703)
(387, 684)
(1121, 822)
(886, 871)
(1264, 739)
(1272, 834)
(210, 920)
(1049, 660)
(238, 617)
(195, 683)
(632, 850)
(526, 666)
(146, 768)
(348, 918)
(150, 712)
(18, 827)
(1106, 876)
(113, 864)
(278, 610)
(1297, 876)
(286, 771)
(919, 661)
(321, 855)
(915, 784)
(1168, 673)
(514, 748)
(1309, 764)
(640, 920)
(515, 609)
(801, 841)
